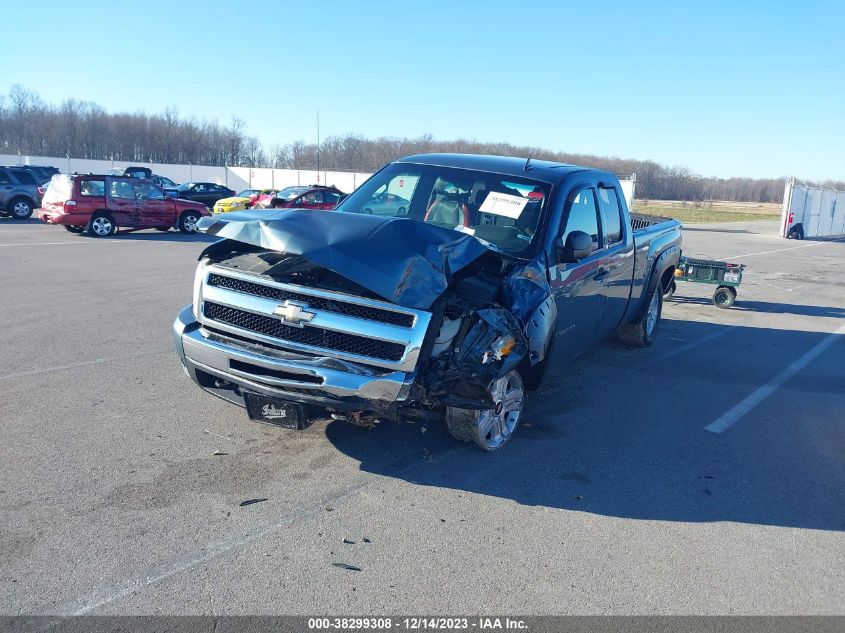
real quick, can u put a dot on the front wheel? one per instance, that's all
(188, 222)
(491, 429)
(642, 333)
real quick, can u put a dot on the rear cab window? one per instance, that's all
(611, 214)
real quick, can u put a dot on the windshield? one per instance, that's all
(166, 182)
(502, 210)
(246, 193)
(289, 193)
(185, 186)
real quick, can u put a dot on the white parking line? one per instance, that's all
(728, 419)
(85, 363)
(64, 243)
(777, 250)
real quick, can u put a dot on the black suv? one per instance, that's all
(20, 192)
(42, 173)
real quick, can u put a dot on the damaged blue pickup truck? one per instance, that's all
(448, 306)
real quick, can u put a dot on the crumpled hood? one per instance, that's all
(406, 261)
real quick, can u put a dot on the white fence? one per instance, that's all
(236, 178)
(820, 212)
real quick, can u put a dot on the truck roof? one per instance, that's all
(542, 170)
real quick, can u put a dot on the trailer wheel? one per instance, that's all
(724, 297)
(670, 291)
(643, 332)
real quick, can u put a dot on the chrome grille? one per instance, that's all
(311, 336)
(320, 303)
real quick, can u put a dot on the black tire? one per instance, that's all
(188, 221)
(795, 234)
(643, 332)
(724, 297)
(101, 225)
(73, 229)
(20, 208)
(670, 291)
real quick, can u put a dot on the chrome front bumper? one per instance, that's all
(289, 376)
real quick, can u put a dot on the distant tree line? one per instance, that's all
(82, 129)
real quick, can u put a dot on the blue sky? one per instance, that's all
(725, 88)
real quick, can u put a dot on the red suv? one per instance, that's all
(101, 204)
(313, 197)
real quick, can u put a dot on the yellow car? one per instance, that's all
(244, 200)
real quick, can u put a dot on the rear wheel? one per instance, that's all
(188, 222)
(73, 229)
(643, 332)
(20, 208)
(491, 429)
(101, 225)
(724, 297)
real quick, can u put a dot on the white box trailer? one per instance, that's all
(812, 211)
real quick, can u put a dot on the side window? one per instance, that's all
(582, 215)
(4, 177)
(147, 191)
(330, 197)
(611, 216)
(92, 188)
(122, 189)
(24, 177)
(312, 197)
(200, 188)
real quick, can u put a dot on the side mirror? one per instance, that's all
(577, 246)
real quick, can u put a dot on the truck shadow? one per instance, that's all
(609, 439)
(745, 305)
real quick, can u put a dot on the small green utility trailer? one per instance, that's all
(726, 277)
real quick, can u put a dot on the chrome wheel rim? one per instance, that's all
(20, 209)
(101, 226)
(495, 426)
(191, 223)
(651, 317)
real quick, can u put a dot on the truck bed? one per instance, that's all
(641, 221)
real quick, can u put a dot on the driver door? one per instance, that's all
(576, 287)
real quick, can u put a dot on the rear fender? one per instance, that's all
(666, 260)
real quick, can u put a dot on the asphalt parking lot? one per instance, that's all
(704, 475)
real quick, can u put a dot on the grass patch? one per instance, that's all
(693, 215)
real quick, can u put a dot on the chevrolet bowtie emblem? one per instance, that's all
(294, 313)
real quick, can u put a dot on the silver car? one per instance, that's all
(387, 204)
(20, 192)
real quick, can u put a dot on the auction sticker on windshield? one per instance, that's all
(503, 204)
